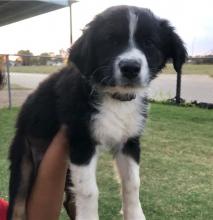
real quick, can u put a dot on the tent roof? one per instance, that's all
(15, 10)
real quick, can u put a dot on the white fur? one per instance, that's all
(124, 90)
(133, 53)
(133, 20)
(111, 127)
(129, 174)
(86, 190)
(117, 121)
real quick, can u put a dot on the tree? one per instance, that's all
(44, 58)
(58, 59)
(26, 57)
(34, 61)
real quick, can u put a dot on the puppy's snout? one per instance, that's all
(130, 68)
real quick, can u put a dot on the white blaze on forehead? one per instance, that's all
(133, 20)
(133, 52)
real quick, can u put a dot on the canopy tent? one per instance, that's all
(15, 10)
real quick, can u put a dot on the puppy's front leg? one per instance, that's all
(128, 168)
(86, 190)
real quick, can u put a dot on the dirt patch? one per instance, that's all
(18, 97)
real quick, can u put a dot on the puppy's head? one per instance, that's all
(125, 47)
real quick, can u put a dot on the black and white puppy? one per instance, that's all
(102, 101)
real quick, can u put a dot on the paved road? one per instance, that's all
(27, 80)
(194, 87)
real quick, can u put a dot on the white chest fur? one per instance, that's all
(117, 121)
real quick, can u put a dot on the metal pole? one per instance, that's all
(70, 6)
(178, 88)
(8, 82)
(70, 3)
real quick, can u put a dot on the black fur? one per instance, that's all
(99, 46)
(1, 79)
(68, 97)
(132, 148)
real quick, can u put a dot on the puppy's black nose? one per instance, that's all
(130, 68)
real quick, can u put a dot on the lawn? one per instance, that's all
(35, 69)
(176, 165)
(205, 69)
(197, 69)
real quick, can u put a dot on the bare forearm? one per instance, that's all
(47, 194)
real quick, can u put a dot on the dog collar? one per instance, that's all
(123, 98)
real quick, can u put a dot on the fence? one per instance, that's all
(24, 73)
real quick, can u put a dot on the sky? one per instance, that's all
(193, 20)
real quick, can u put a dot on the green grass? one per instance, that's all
(197, 69)
(7, 120)
(15, 87)
(176, 165)
(200, 69)
(35, 69)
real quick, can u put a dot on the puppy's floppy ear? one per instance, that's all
(173, 46)
(79, 53)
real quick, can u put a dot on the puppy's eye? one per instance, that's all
(148, 43)
(112, 40)
(108, 37)
(115, 42)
